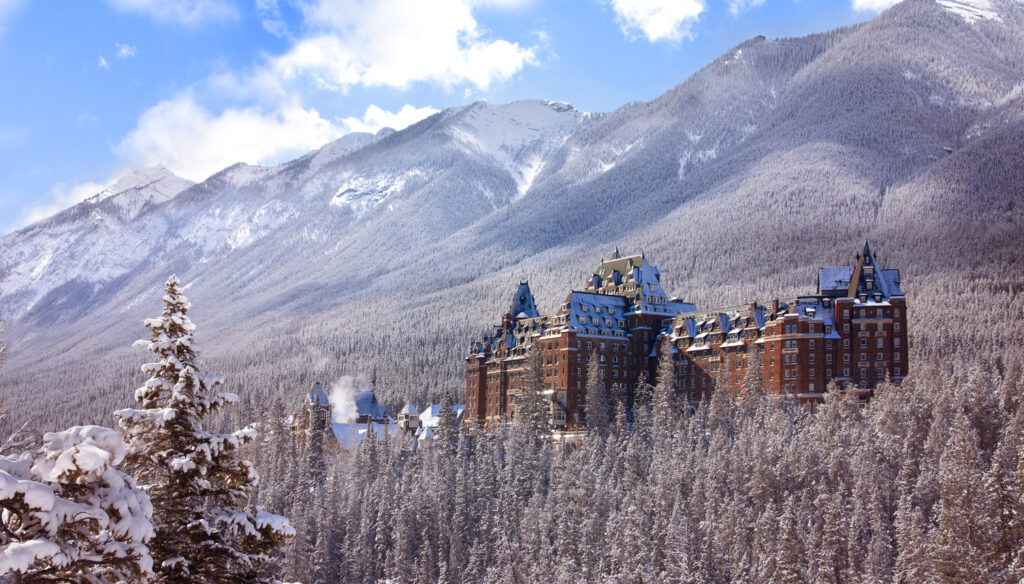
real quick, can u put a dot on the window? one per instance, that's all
(846, 371)
(878, 357)
(810, 373)
(896, 371)
(878, 343)
(615, 348)
(863, 356)
(896, 312)
(896, 327)
(896, 356)
(771, 360)
(811, 343)
(863, 373)
(828, 329)
(828, 358)
(846, 343)
(810, 387)
(771, 375)
(846, 313)
(810, 358)
(846, 358)
(896, 342)
(828, 374)
(846, 328)
(590, 345)
(863, 343)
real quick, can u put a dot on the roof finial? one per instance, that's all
(615, 255)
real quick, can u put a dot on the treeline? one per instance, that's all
(918, 485)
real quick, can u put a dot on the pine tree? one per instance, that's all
(69, 515)
(447, 425)
(195, 479)
(597, 398)
(532, 411)
(664, 403)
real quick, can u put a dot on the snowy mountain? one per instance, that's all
(780, 156)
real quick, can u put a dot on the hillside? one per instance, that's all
(383, 255)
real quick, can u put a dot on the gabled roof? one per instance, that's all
(867, 277)
(367, 405)
(317, 396)
(523, 305)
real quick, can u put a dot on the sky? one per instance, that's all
(93, 89)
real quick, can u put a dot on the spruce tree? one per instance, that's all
(664, 404)
(195, 479)
(69, 515)
(532, 410)
(596, 404)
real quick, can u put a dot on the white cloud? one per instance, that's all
(62, 196)
(873, 5)
(194, 143)
(125, 50)
(187, 12)
(398, 42)
(737, 6)
(102, 63)
(657, 20)
(376, 118)
(270, 17)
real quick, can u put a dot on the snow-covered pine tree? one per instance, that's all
(532, 411)
(447, 425)
(69, 515)
(195, 479)
(664, 405)
(596, 404)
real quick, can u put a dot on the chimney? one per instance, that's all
(775, 308)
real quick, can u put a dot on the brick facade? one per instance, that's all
(851, 331)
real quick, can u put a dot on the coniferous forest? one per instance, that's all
(381, 256)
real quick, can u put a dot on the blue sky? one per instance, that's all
(93, 89)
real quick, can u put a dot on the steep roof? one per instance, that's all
(317, 396)
(866, 277)
(523, 305)
(367, 405)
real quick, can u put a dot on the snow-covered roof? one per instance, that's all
(367, 405)
(523, 305)
(430, 416)
(834, 279)
(410, 409)
(349, 435)
(317, 396)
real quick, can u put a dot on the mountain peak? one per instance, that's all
(155, 183)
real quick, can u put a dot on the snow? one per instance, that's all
(276, 523)
(518, 135)
(971, 10)
(18, 556)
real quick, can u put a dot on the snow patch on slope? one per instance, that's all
(972, 10)
(361, 193)
(518, 135)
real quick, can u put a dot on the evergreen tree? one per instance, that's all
(664, 403)
(532, 410)
(195, 479)
(447, 425)
(69, 515)
(597, 416)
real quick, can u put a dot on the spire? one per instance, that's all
(616, 255)
(523, 305)
(317, 396)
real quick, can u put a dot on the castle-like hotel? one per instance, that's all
(852, 331)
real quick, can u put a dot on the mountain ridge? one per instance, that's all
(779, 156)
